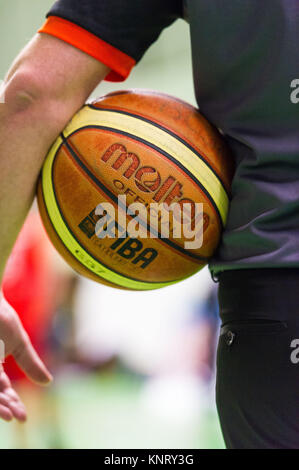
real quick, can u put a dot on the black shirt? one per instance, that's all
(245, 62)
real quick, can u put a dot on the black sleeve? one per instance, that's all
(131, 26)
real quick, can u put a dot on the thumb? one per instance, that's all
(18, 344)
(29, 361)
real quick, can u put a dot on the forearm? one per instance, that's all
(39, 101)
(24, 140)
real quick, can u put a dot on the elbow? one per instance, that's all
(22, 92)
(32, 97)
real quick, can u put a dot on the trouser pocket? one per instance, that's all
(233, 329)
(257, 387)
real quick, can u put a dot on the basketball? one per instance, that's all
(134, 193)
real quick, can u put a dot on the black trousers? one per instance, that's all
(257, 388)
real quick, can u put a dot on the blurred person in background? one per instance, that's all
(204, 330)
(166, 337)
(36, 283)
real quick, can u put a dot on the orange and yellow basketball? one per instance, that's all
(155, 151)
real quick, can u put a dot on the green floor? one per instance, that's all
(106, 411)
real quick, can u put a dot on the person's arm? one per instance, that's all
(46, 85)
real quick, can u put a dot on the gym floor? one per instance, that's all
(107, 410)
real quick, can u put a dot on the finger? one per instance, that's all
(12, 394)
(4, 399)
(30, 363)
(14, 405)
(5, 413)
(21, 347)
(4, 380)
(18, 411)
(5, 386)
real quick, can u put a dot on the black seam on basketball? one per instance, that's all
(102, 189)
(84, 248)
(167, 155)
(49, 221)
(165, 129)
(114, 198)
(106, 191)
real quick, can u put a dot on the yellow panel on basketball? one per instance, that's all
(135, 191)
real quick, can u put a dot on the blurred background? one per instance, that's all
(132, 370)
